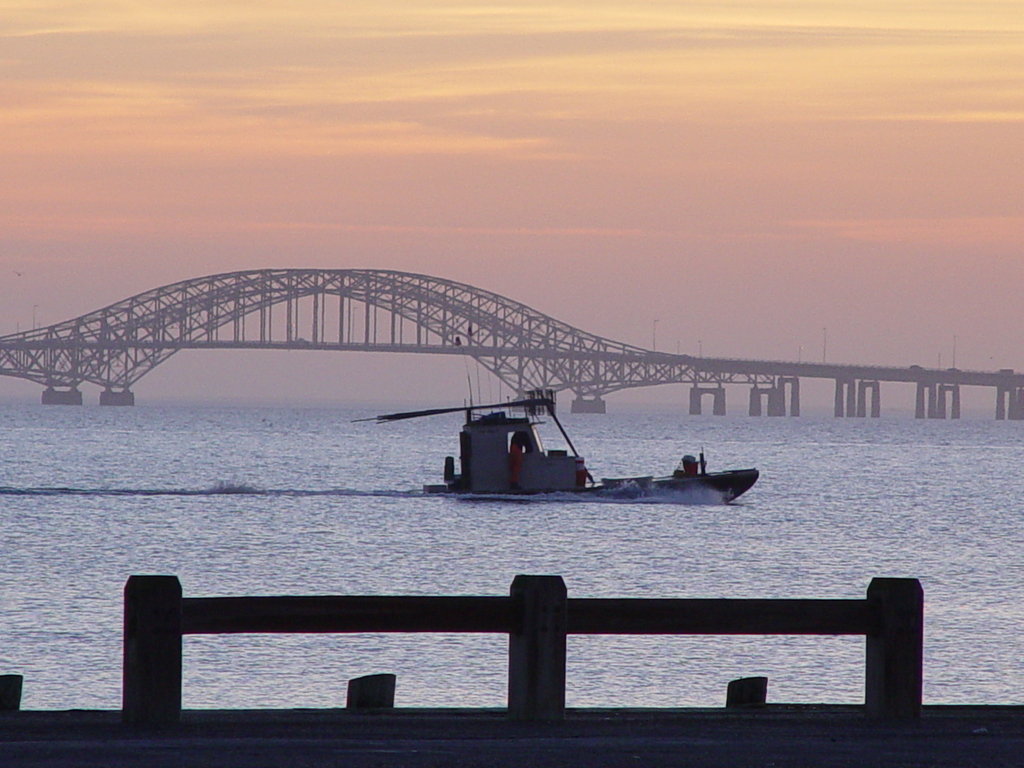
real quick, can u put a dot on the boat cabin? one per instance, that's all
(503, 454)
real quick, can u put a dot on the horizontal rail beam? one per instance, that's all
(636, 616)
(586, 616)
(226, 615)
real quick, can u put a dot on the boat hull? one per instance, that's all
(728, 485)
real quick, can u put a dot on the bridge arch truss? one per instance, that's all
(343, 310)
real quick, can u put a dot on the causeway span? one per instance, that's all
(368, 310)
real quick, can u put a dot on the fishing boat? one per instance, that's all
(500, 453)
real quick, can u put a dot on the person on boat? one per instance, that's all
(688, 467)
(519, 445)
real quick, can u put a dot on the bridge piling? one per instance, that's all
(1009, 403)
(863, 386)
(697, 397)
(777, 400)
(589, 405)
(793, 382)
(937, 395)
(54, 396)
(846, 398)
(125, 397)
(755, 401)
(953, 390)
(695, 401)
(718, 404)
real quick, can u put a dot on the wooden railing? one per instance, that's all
(537, 616)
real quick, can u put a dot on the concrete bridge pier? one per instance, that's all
(589, 405)
(922, 390)
(846, 398)
(69, 396)
(776, 397)
(1009, 403)
(755, 399)
(953, 390)
(717, 400)
(793, 383)
(930, 404)
(776, 401)
(931, 401)
(863, 387)
(112, 397)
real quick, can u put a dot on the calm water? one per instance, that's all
(89, 496)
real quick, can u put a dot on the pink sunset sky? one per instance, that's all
(729, 177)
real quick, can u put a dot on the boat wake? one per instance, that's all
(627, 493)
(218, 489)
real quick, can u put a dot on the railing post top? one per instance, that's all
(895, 586)
(549, 584)
(153, 583)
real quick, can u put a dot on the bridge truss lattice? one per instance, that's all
(342, 310)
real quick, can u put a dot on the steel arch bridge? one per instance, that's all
(341, 310)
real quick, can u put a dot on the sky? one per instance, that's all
(780, 180)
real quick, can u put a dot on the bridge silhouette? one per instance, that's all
(387, 311)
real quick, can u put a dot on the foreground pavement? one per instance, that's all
(777, 736)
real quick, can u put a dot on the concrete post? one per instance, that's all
(10, 692)
(919, 411)
(933, 402)
(755, 401)
(718, 409)
(777, 400)
(371, 692)
(1001, 395)
(953, 390)
(863, 388)
(536, 659)
(151, 691)
(695, 401)
(794, 394)
(895, 650)
(851, 398)
(746, 692)
(839, 411)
